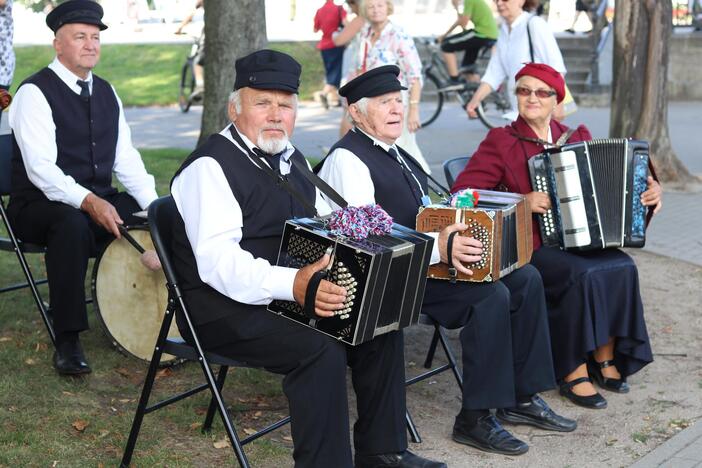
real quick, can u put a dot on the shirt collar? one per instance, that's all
(523, 18)
(377, 142)
(68, 77)
(287, 152)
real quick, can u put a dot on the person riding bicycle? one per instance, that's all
(469, 40)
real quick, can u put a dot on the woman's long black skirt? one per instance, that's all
(590, 297)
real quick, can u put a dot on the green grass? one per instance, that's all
(38, 408)
(149, 75)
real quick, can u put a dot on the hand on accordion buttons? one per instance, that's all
(465, 249)
(653, 195)
(539, 202)
(330, 297)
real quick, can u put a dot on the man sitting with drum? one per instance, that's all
(234, 194)
(70, 134)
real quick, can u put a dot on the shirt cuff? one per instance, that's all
(281, 282)
(76, 195)
(145, 197)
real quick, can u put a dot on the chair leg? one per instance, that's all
(432, 348)
(207, 426)
(412, 429)
(141, 407)
(449, 355)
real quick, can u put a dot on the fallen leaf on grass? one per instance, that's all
(125, 400)
(12, 409)
(287, 438)
(166, 372)
(103, 433)
(220, 444)
(249, 431)
(30, 361)
(101, 465)
(257, 414)
(68, 393)
(54, 464)
(123, 372)
(4, 339)
(40, 347)
(195, 425)
(200, 411)
(79, 425)
(611, 442)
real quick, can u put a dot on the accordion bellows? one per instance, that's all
(595, 189)
(501, 221)
(385, 278)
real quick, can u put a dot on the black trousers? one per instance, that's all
(504, 338)
(314, 366)
(467, 41)
(71, 237)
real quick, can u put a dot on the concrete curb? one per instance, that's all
(683, 450)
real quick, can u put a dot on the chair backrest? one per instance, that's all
(162, 213)
(5, 163)
(453, 167)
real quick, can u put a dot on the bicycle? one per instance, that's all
(189, 93)
(438, 88)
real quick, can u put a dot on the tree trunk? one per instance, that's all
(233, 29)
(642, 30)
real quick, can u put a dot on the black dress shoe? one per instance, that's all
(69, 358)
(488, 435)
(536, 413)
(595, 401)
(404, 459)
(594, 368)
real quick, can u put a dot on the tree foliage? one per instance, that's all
(642, 31)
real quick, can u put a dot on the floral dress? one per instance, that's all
(7, 55)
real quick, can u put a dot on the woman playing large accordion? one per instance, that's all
(596, 315)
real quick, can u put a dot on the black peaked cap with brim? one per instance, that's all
(375, 82)
(268, 69)
(76, 11)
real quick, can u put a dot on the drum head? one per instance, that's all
(130, 300)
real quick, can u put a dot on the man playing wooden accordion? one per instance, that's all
(505, 335)
(234, 206)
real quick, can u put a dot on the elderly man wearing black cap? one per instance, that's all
(234, 194)
(70, 136)
(505, 337)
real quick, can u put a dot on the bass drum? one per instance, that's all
(129, 299)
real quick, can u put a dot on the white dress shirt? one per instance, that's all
(32, 123)
(213, 223)
(348, 175)
(512, 52)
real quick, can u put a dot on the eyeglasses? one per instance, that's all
(504, 1)
(540, 93)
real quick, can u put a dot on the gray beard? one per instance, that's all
(272, 145)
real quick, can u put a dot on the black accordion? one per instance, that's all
(385, 278)
(595, 189)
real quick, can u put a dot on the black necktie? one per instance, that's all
(273, 160)
(84, 89)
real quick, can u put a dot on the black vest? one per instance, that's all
(265, 207)
(395, 189)
(86, 136)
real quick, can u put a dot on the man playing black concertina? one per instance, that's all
(70, 135)
(505, 337)
(234, 206)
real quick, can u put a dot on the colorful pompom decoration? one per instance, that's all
(466, 198)
(360, 222)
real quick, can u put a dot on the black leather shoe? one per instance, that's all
(488, 435)
(536, 413)
(69, 359)
(595, 401)
(404, 459)
(613, 385)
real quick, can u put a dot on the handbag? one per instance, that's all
(569, 104)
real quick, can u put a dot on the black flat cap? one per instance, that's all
(375, 82)
(268, 69)
(76, 11)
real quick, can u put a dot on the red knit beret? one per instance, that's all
(546, 74)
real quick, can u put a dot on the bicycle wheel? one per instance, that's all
(432, 100)
(187, 86)
(491, 110)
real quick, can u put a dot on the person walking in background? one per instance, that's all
(351, 39)
(581, 6)
(468, 40)
(7, 54)
(330, 19)
(385, 43)
(523, 38)
(189, 17)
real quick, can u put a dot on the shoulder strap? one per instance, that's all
(565, 137)
(531, 45)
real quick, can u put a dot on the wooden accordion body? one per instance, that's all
(385, 277)
(501, 221)
(595, 189)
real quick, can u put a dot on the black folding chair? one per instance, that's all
(162, 212)
(13, 244)
(453, 167)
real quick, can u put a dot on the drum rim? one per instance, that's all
(96, 306)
